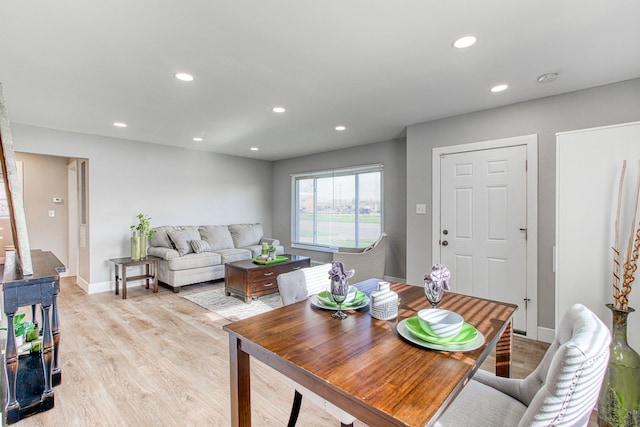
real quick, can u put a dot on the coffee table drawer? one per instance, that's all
(262, 286)
(264, 274)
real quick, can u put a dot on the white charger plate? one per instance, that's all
(313, 299)
(470, 346)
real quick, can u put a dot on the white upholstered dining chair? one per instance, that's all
(297, 286)
(561, 391)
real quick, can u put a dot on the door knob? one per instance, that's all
(445, 243)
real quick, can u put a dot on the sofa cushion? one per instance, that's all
(182, 239)
(200, 246)
(192, 260)
(246, 234)
(218, 236)
(231, 255)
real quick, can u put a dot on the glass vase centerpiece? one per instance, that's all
(139, 234)
(619, 402)
(339, 287)
(435, 283)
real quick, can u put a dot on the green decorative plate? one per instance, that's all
(323, 298)
(474, 344)
(361, 303)
(467, 334)
(279, 258)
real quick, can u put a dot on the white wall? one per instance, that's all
(589, 166)
(174, 186)
(605, 105)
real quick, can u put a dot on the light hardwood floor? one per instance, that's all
(161, 360)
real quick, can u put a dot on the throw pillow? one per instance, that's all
(200, 246)
(181, 240)
(246, 234)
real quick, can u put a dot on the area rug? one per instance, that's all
(231, 307)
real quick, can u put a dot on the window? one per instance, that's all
(334, 208)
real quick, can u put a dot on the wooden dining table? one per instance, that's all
(362, 364)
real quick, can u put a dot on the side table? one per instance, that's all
(121, 265)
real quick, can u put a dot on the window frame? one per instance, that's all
(330, 173)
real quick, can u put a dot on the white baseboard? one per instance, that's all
(546, 335)
(100, 287)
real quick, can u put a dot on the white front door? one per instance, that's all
(483, 220)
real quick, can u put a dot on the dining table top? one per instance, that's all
(361, 364)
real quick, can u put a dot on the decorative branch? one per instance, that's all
(616, 243)
(621, 296)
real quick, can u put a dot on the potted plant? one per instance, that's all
(141, 231)
(23, 329)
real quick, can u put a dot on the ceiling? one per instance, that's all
(374, 66)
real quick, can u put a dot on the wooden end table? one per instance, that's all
(250, 280)
(121, 264)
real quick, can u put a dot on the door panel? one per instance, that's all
(483, 210)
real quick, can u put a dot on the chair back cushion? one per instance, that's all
(297, 285)
(564, 388)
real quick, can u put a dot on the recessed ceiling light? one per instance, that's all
(547, 78)
(185, 77)
(198, 139)
(278, 109)
(254, 148)
(465, 41)
(340, 128)
(500, 88)
(120, 124)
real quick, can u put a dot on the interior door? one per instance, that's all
(483, 224)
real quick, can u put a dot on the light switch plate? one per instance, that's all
(421, 208)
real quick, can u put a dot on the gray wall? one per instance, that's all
(45, 177)
(392, 154)
(605, 105)
(174, 186)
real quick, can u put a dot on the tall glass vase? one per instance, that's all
(135, 246)
(143, 246)
(619, 403)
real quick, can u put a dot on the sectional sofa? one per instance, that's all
(193, 254)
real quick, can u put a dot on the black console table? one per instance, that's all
(30, 379)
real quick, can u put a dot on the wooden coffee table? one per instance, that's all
(250, 280)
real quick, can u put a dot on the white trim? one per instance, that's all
(531, 143)
(619, 125)
(83, 284)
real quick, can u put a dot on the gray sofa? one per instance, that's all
(193, 254)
